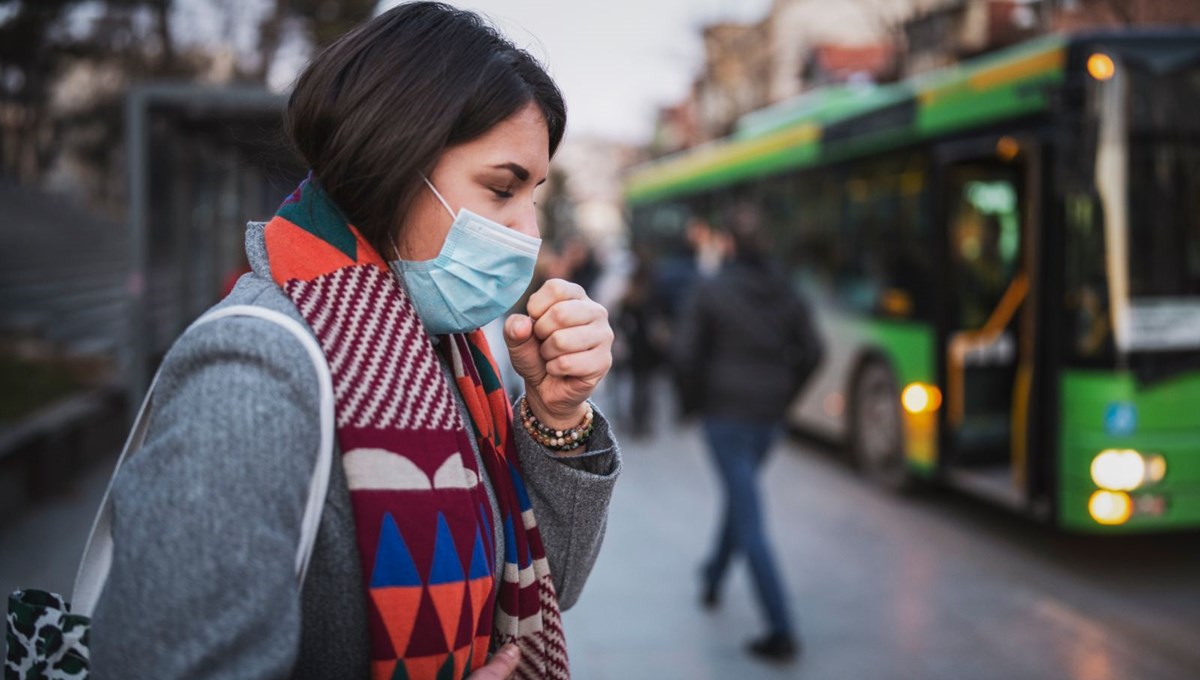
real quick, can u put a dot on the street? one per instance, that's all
(933, 586)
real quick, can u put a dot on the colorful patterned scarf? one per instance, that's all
(421, 513)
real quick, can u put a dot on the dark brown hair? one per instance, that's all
(376, 109)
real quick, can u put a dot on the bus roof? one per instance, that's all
(839, 122)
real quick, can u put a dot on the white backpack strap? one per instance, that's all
(97, 556)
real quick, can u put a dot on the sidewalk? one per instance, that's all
(936, 586)
(639, 616)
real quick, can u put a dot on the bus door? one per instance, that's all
(986, 349)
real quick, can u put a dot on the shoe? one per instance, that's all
(776, 648)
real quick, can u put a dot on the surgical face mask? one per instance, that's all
(480, 273)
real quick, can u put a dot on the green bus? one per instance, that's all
(1005, 260)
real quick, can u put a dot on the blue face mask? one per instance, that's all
(480, 273)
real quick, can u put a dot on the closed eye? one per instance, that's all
(502, 193)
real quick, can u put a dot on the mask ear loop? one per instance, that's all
(440, 200)
(439, 196)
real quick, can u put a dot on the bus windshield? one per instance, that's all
(1164, 183)
(1162, 150)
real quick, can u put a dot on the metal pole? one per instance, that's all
(135, 284)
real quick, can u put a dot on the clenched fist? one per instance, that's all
(562, 349)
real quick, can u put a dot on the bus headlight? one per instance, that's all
(1119, 470)
(1126, 469)
(1110, 507)
(918, 398)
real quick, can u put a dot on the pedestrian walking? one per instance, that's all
(744, 348)
(640, 323)
(452, 534)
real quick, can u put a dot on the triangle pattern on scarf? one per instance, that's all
(479, 561)
(447, 567)
(448, 599)
(431, 666)
(386, 669)
(466, 622)
(428, 636)
(394, 564)
(462, 656)
(397, 608)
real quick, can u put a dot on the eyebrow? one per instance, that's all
(518, 170)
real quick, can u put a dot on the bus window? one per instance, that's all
(883, 251)
(985, 233)
(1164, 183)
(1089, 326)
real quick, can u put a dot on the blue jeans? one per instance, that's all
(739, 449)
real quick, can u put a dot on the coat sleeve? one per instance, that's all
(207, 514)
(570, 497)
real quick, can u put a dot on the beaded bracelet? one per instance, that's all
(557, 440)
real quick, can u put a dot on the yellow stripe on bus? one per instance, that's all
(722, 155)
(996, 76)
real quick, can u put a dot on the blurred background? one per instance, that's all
(993, 207)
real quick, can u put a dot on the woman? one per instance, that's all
(450, 528)
(744, 349)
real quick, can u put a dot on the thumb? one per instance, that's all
(501, 666)
(523, 348)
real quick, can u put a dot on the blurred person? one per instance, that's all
(982, 272)
(579, 262)
(427, 133)
(744, 349)
(639, 325)
(710, 246)
(674, 276)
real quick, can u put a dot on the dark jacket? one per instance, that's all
(745, 345)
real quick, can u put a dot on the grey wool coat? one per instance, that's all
(207, 515)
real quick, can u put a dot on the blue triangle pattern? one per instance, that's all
(522, 495)
(479, 560)
(489, 538)
(510, 541)
(447, 568)
(394, 564)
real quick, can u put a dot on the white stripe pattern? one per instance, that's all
(373, 341)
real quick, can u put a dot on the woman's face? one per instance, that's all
(494, 175)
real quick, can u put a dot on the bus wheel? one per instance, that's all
(877, 437)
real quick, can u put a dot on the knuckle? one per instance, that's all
(558, 314)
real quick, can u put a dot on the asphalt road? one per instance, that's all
(926, 587)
